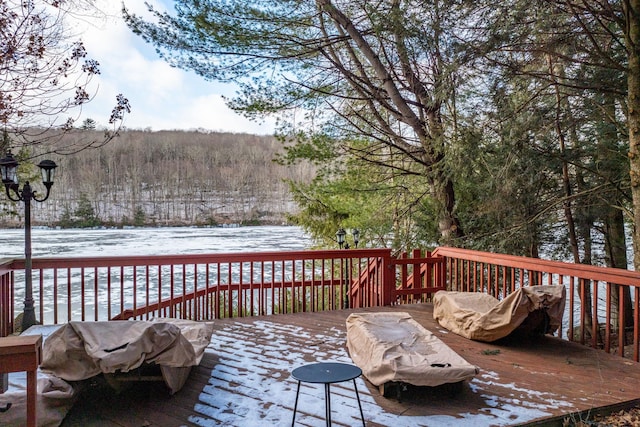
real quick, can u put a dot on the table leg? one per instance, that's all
(295, 406)
(327, 396)
(32, 390)
(355, 387)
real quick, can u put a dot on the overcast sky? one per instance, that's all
(161, 97)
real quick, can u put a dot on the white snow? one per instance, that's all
(259, 400)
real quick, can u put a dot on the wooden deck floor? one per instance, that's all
(244, 380)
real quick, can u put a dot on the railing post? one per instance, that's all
(439, 270)
(6, 301)
(417, 270)
(389, 279)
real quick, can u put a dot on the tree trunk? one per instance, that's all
(616, 254)
(632, 14)
(611, 209)
(449, 224)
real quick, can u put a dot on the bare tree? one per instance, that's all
(44, 76)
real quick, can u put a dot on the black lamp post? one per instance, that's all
(9, 171)
(341, 235)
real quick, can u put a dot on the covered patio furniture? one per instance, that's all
(482, 317)
(54, 396)
(394, 348)
(81, 350)
(54, 399)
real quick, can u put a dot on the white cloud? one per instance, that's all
(211, 110)
(161, 96)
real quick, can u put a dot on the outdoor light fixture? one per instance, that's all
(47, 169)
(340, 235)
(9, 171)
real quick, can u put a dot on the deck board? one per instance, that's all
(244, 380)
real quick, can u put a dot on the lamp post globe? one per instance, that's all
(47, 169)
(340, 235)
(8, 170)
(356, 236)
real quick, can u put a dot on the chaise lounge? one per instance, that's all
(393, 349)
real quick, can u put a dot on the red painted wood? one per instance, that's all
(23, 353)
(206, 286)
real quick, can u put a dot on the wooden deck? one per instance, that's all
(244, 380)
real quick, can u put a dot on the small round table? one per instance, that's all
(327, 374)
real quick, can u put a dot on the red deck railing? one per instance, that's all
(203, 286)
(6, 299)
(208, 286)
(600, 324)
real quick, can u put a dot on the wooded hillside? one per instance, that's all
(167, 178)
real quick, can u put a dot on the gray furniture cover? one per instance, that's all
(482, 317)
(393, 347)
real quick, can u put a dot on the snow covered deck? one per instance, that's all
(244, 380)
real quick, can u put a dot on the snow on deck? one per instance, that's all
(245, 379)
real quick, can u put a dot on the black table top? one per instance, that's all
(326, 373)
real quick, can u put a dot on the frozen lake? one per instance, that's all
(152, 241)
(132, 242)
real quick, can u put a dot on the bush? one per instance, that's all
(83, 217)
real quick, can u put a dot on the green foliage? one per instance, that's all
(85, 212)
(66, 220)
(332, 70)
(139, 217)
(318, 148)
(425, 119)
(390, 209)
(211, 222)
(88, 124)
(82, 217)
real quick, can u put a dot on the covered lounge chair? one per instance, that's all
(392, 348)
(482, 317)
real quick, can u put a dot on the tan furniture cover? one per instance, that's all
(54, 399)
(393, 347)
(480, 316)
(81, 350)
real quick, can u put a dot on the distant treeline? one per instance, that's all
(167, 178)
